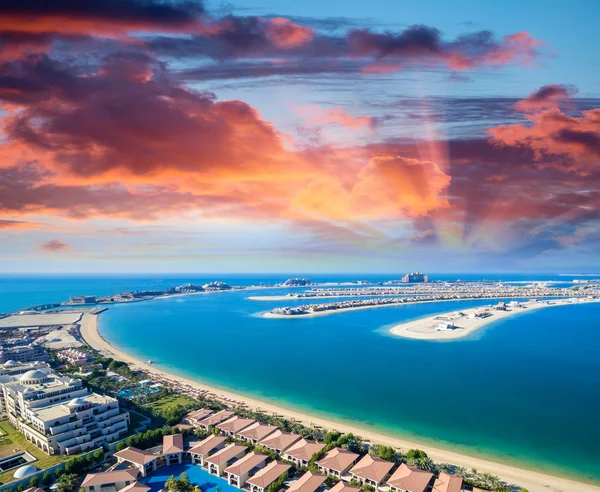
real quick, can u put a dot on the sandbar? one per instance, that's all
(533, 480)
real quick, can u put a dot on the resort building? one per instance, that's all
(193, 418)
(75, 357)
(234, 425)
(205, 448)
(410, 479)
(266, 476)
(109, 481)
(309, 482)
(172, 449)
(59, 415)
(342, 487)
(280, 441)
(209, 422)
(144, 461)
(448, 483)
(302, 451)
(371, 470)
(337, 462)
(22, 353)
(238, 473)
(256, 432)
(217, 463)
(11, 369)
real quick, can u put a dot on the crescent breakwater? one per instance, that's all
(453, 292)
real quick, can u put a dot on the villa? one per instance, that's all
(448, 483)
(280, 441)
(337, 462)
(256, 432)
(268, 475)
(205, 448)
(238, 473)
(302, 451)
(109, 481)
(342, 487)
(410, 479)
(222, 459)
(144, 461)
(234, 425)
(172, 449)
(372, 471)
(309, 482)
(193, 418)
(209, 422)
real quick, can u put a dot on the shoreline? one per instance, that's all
(530, 479)
(424, 328)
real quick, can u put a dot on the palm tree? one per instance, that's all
(425, 463)
(67, 482)
(474, 472)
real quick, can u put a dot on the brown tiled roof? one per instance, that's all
(410, 478)
(199, 414)
(172, 444)
(372, 468)
(338, 459)
(216, 418)
(309, 482)
(448, 483)
(245, 464)
(115, 476)
(342, 487)
(135, 487)
(207, 445)
(269, 474)
(304, 449)
(257, 431)
(280, 440)
(235, 424)
(135, 455)
(225, 454)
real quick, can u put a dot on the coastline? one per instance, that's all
(424, 328)
(532, 480)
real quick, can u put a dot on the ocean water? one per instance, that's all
(524, 390)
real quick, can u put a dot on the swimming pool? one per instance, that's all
(198, 476)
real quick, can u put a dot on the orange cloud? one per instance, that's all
(286, 34)
(338, 116)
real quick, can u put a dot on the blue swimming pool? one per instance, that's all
(198, 476)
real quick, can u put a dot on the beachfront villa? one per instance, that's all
(447, 483)
(238, 473)
(343, 487)
(371, 470)
(110, 481)
(268, 475)
(280, 441)
(256, 432)
(144, 461)
(209, 422)
(172, 449)
(234, 425)
(410, 479)
(337, 462)
(59, 415)
(193, 418)
(309, 482)
(205, 448)
(218, 462)
(302, 451)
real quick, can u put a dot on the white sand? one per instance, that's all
(532, 480)
(44, 319)
(425, 328)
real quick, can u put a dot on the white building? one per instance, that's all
(75, 357)
(59, 415)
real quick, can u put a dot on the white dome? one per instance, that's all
(25, 471)
(33, 374)
(11, 363)
(75, 402)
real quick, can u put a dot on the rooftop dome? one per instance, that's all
(31, 375)
(25, 471)
(75, 402)
(11, 363)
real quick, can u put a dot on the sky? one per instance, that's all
(285, 136)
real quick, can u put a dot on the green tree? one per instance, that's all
(67, 482)
(34, 482)
(414, 455)
(98, 455)
(47, 478)
(425, 463)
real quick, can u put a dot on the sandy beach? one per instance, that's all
(532, 480)
(466, 323)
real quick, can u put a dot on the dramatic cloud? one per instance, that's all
(546, 97)
(54, 246)
(319, 115)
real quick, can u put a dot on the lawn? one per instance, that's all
(169, 401)
(11, 439)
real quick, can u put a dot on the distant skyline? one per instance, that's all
(278, 136)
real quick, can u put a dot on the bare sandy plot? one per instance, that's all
(22, 320)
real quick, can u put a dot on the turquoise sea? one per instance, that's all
(525, 390)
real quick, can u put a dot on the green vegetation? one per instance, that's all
(145, 440)
(277, 484)
(181, 484)
(387, 453)
(67, 482)
(170, 409)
